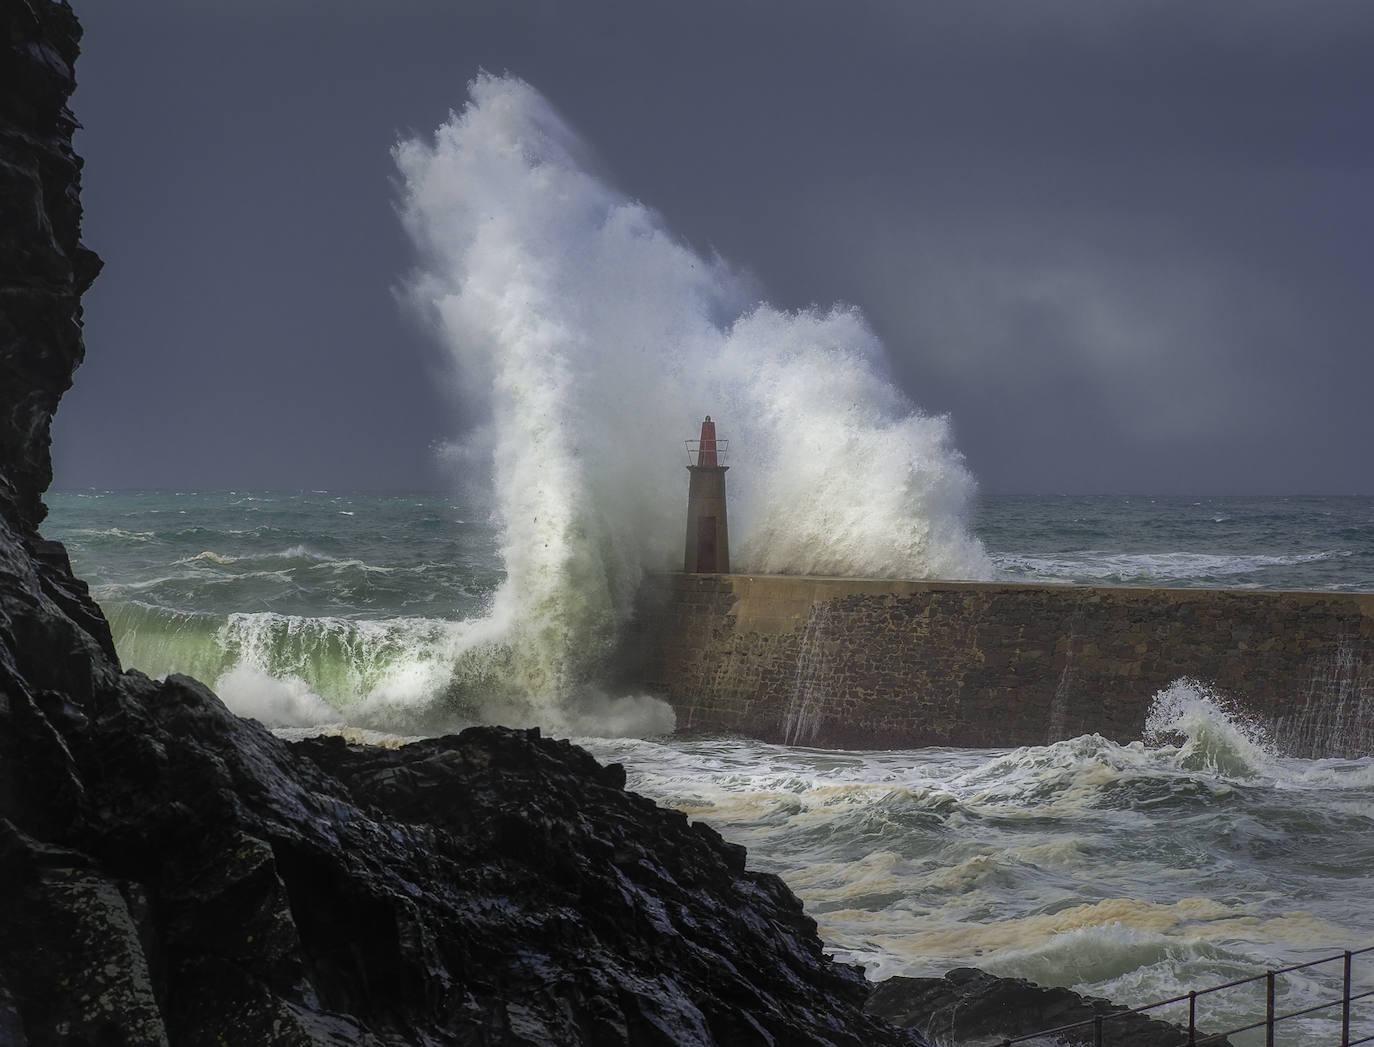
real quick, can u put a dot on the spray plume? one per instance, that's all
(587, 342)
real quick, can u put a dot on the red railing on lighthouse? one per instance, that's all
(708, 452)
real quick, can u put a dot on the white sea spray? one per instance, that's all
(586, 343)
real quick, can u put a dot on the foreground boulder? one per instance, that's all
(182, 875)
(170, 873)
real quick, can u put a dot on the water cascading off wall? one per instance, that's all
(802, 721)
(1335, 711)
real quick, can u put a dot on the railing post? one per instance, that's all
(1345, 1004)
(1097, 1030)
(1269, 1009)
(1192, 1019)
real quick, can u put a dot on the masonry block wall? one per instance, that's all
(885, 664)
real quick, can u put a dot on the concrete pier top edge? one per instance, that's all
(979, 585)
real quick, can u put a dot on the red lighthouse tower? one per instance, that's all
(707, 548)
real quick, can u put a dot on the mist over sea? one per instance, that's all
(584, 342)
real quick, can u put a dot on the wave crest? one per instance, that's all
(1210, 731)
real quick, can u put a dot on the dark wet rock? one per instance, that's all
(183, 875)
(43, 267)
(490, 887)
(171, 873)
(969, 1006)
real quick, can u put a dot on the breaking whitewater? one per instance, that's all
(1197, 856)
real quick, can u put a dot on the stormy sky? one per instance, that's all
(1128, 247)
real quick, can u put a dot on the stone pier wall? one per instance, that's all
(888, 664)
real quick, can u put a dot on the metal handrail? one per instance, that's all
(694, 450)
(1267, 1023)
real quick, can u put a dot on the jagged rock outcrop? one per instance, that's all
(44, 269)
(170, 873)
(969, 1006)
(187, 873)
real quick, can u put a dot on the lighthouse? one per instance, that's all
(708, 536)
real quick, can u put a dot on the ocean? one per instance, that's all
(1196, 856)
(581, 342)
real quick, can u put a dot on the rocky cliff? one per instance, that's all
(170, 873)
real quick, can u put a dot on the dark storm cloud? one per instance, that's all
(1126, 246)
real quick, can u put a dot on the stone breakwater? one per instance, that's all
(881, 664)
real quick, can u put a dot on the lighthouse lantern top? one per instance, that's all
(707, 452)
